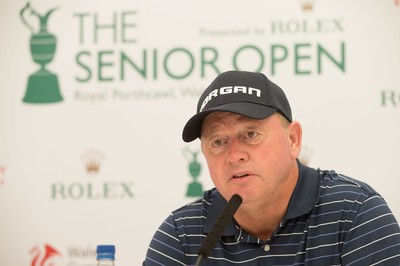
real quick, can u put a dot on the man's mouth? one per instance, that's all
(240, 175)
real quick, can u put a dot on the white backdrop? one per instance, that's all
(101, 160)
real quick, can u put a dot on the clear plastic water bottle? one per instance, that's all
(105, 255)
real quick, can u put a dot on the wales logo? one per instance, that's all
(43, 255)
(42, 85)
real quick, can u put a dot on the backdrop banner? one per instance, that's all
(94, 96)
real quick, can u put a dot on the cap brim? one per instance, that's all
(192, 129)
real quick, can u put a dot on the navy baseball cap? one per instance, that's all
(246, 93)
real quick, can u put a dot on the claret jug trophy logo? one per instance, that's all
(42, 85)
(195, 188)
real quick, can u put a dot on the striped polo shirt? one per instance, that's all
(331, 220)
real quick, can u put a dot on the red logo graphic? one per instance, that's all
(2, 171)
(397, 2)
(43, 255)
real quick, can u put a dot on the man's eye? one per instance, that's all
(217, 143)
(251, 134)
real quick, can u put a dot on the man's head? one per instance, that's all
(246, 93)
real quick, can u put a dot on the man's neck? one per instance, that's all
(262, 219)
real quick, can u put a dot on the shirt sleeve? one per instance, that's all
(374, 237)
(165, 247)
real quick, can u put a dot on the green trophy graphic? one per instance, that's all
(42, 85)
(195, 189)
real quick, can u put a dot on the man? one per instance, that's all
(291, 214)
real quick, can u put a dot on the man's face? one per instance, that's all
(253, 158)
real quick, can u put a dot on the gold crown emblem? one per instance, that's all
(307, 5)
(92, 160)
(92, 166)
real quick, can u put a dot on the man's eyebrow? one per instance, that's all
(210, 131)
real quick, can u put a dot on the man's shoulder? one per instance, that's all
(336, 187)
(199, 205)
(333, 181)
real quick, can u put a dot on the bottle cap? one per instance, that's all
(105, 252)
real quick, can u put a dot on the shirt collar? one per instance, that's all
(217, 206)
(303, 199)
(305, 194)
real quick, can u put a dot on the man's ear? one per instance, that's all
(295, 137)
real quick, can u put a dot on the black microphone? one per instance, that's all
(218, 228)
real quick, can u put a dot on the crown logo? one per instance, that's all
(307, 5)
(92, 161)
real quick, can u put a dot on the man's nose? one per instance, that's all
(237, 152)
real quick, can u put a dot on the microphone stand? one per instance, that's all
(218, 228)
(199, 260)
